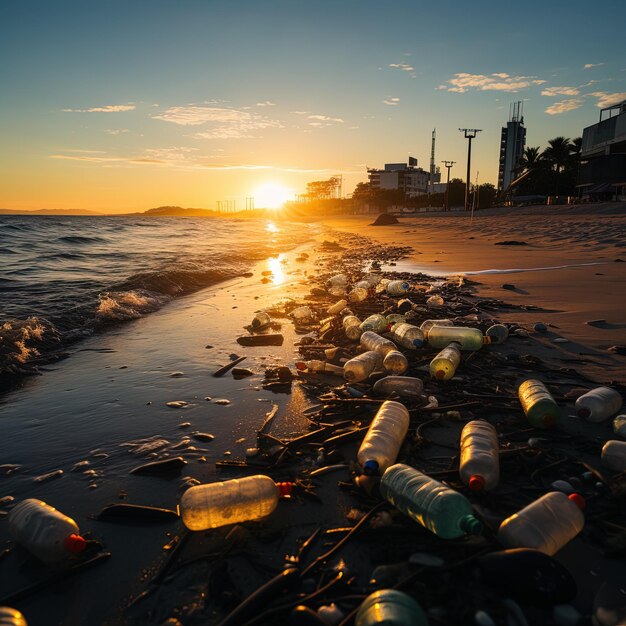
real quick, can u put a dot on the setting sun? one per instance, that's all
(271, 196)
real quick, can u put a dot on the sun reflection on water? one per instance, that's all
(276, 267)
(270, 227)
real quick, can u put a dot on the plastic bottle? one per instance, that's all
(11, 617)
(373, 279)
(405, 305)
(480, 464)
(619, 426)
(338, 307)
(230, 502)
(395, 362)
(546, 524)
(499, 333)
(361, 366)
(375, 322)
(320, 366)
(358, 294)
(303, 314)
(363, 284)
(443, 366)
(389, 607)
(373, 341)
(443, 511)
(382, 285)
(428, 324)
(407, 335)
(599, 404)
(260, 320)
(337, 280)
(45, 532)
(614, 455)
(539, 406)
(401, 385)
(397, 287)
(468, 338)
(435, 301)
(395, 318)
(352, 327)
(384, 438)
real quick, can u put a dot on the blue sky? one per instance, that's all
(128, 105)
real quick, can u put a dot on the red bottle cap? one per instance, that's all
(301, 365)
(439, 374)
(578, 500)
(74, 544)
(284, 489)
(476, 483)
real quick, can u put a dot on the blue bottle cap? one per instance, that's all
(370, 468)
(418, 342)
(405, 286)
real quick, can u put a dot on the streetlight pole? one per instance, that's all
(470, 133)
(448, 165)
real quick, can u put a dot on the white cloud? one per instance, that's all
(392, 102)
(116, 131)
(608, 99)
(564, 106)
(501, 81)
(109, 108)
(588, 66)
(405, 67)
(560, 91)
(266, 103)
(326, 118)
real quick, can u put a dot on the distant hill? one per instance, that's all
(48, 212)
(177, 211)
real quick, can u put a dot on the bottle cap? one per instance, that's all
(370, 468)
(470, 525)
(405, 286)
(476, 483)
(284, 489)
(440, 374)
(578, 500)
(418, 343)
(74, 544)
(300, 365)
(583, 412)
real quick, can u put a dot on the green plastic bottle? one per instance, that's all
(390, 607)
(443, 511)
(540, 407)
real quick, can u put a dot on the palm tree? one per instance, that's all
(530, 159)
(557, 154)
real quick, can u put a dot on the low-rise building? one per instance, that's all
(413, 180)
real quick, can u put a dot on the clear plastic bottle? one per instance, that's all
(397, 287)
(303, 315)
(435, 301)
(352, 327)
(395, 362)
(361, 366)
(45, 532)
(443, 511)
(468, 338)
(402, 385)
(599, 404)
(389, 607)
(428, 324)
(395, 318)
(11, 617)
(376, 322)
(499, 333)
(373, 279)
(338, 307)
(320, 366)
(614, 455)
(373, 341)
(407, 335)
(363, 284)
(230, 502)
(337, 280)
(384, 438)
(539, 406)
(546, 524)
(480, 463)
(443, 366)
(405, 305)
(358, 294)
(260, 320)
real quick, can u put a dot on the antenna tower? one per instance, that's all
(432, 163)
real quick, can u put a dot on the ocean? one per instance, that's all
(64, 278)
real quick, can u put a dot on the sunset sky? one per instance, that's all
(127, 105)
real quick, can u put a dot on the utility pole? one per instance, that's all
(470, 133)
(431, 187)
(448, 165)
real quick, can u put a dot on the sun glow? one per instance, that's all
(271, 196)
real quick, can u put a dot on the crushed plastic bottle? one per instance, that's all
(320, 366)
(428, 324)
(499, 333)
(539, 406)
(443, 366)
(358, 294)
(11, 617)
(230, 502)
(45, 532)
(547, 524)
(395, 318)
(373, 279)
(405, 305)
(389, 607)
(261, 320)
(467, 338)
(363, 284)
(435, 301)
(384, 438)
(397, 287)
(338, 307)
(303, 315)
(614, 455)
(480, 464)
(445, 512)
(337, 280)
(361, 366)
(402, 385)
(376, 323)
(599, 404)
(407, 335)
(352, 327)
(395, 362)
(373, 341)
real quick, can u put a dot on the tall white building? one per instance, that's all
(512, 143)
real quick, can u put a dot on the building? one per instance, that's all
(512, 143)
(602, 172)
(411, 179)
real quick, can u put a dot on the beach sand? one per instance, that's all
(114, 389)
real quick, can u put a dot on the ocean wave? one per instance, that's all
(81, 239)
(121, 306)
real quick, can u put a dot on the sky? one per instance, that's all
(127, 105)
